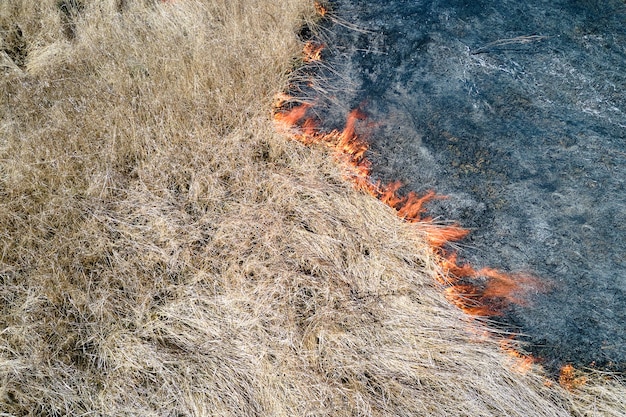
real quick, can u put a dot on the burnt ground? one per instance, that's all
(517, 112)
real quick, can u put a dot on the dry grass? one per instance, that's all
(164, 252)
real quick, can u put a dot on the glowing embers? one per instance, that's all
(570, 378)
(320, 9)
(483, 292)
(312, 51)
(523, 362)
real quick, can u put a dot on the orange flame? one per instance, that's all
(286, 120)
(320, 9)
(487, 291)
(568, 378)
(523, 362)
(312, 51)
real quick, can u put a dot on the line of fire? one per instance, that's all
(481, 293)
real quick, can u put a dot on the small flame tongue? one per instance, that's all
(312, 52)
(498, 290)
(570, 378)
(320, 9)
(285, 120)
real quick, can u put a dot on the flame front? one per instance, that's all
(480, 293)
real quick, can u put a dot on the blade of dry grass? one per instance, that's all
(165, 252)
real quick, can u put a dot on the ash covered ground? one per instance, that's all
(517, 112)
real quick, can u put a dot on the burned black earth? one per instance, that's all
(517, 112)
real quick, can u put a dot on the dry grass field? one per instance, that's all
(165, 252)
